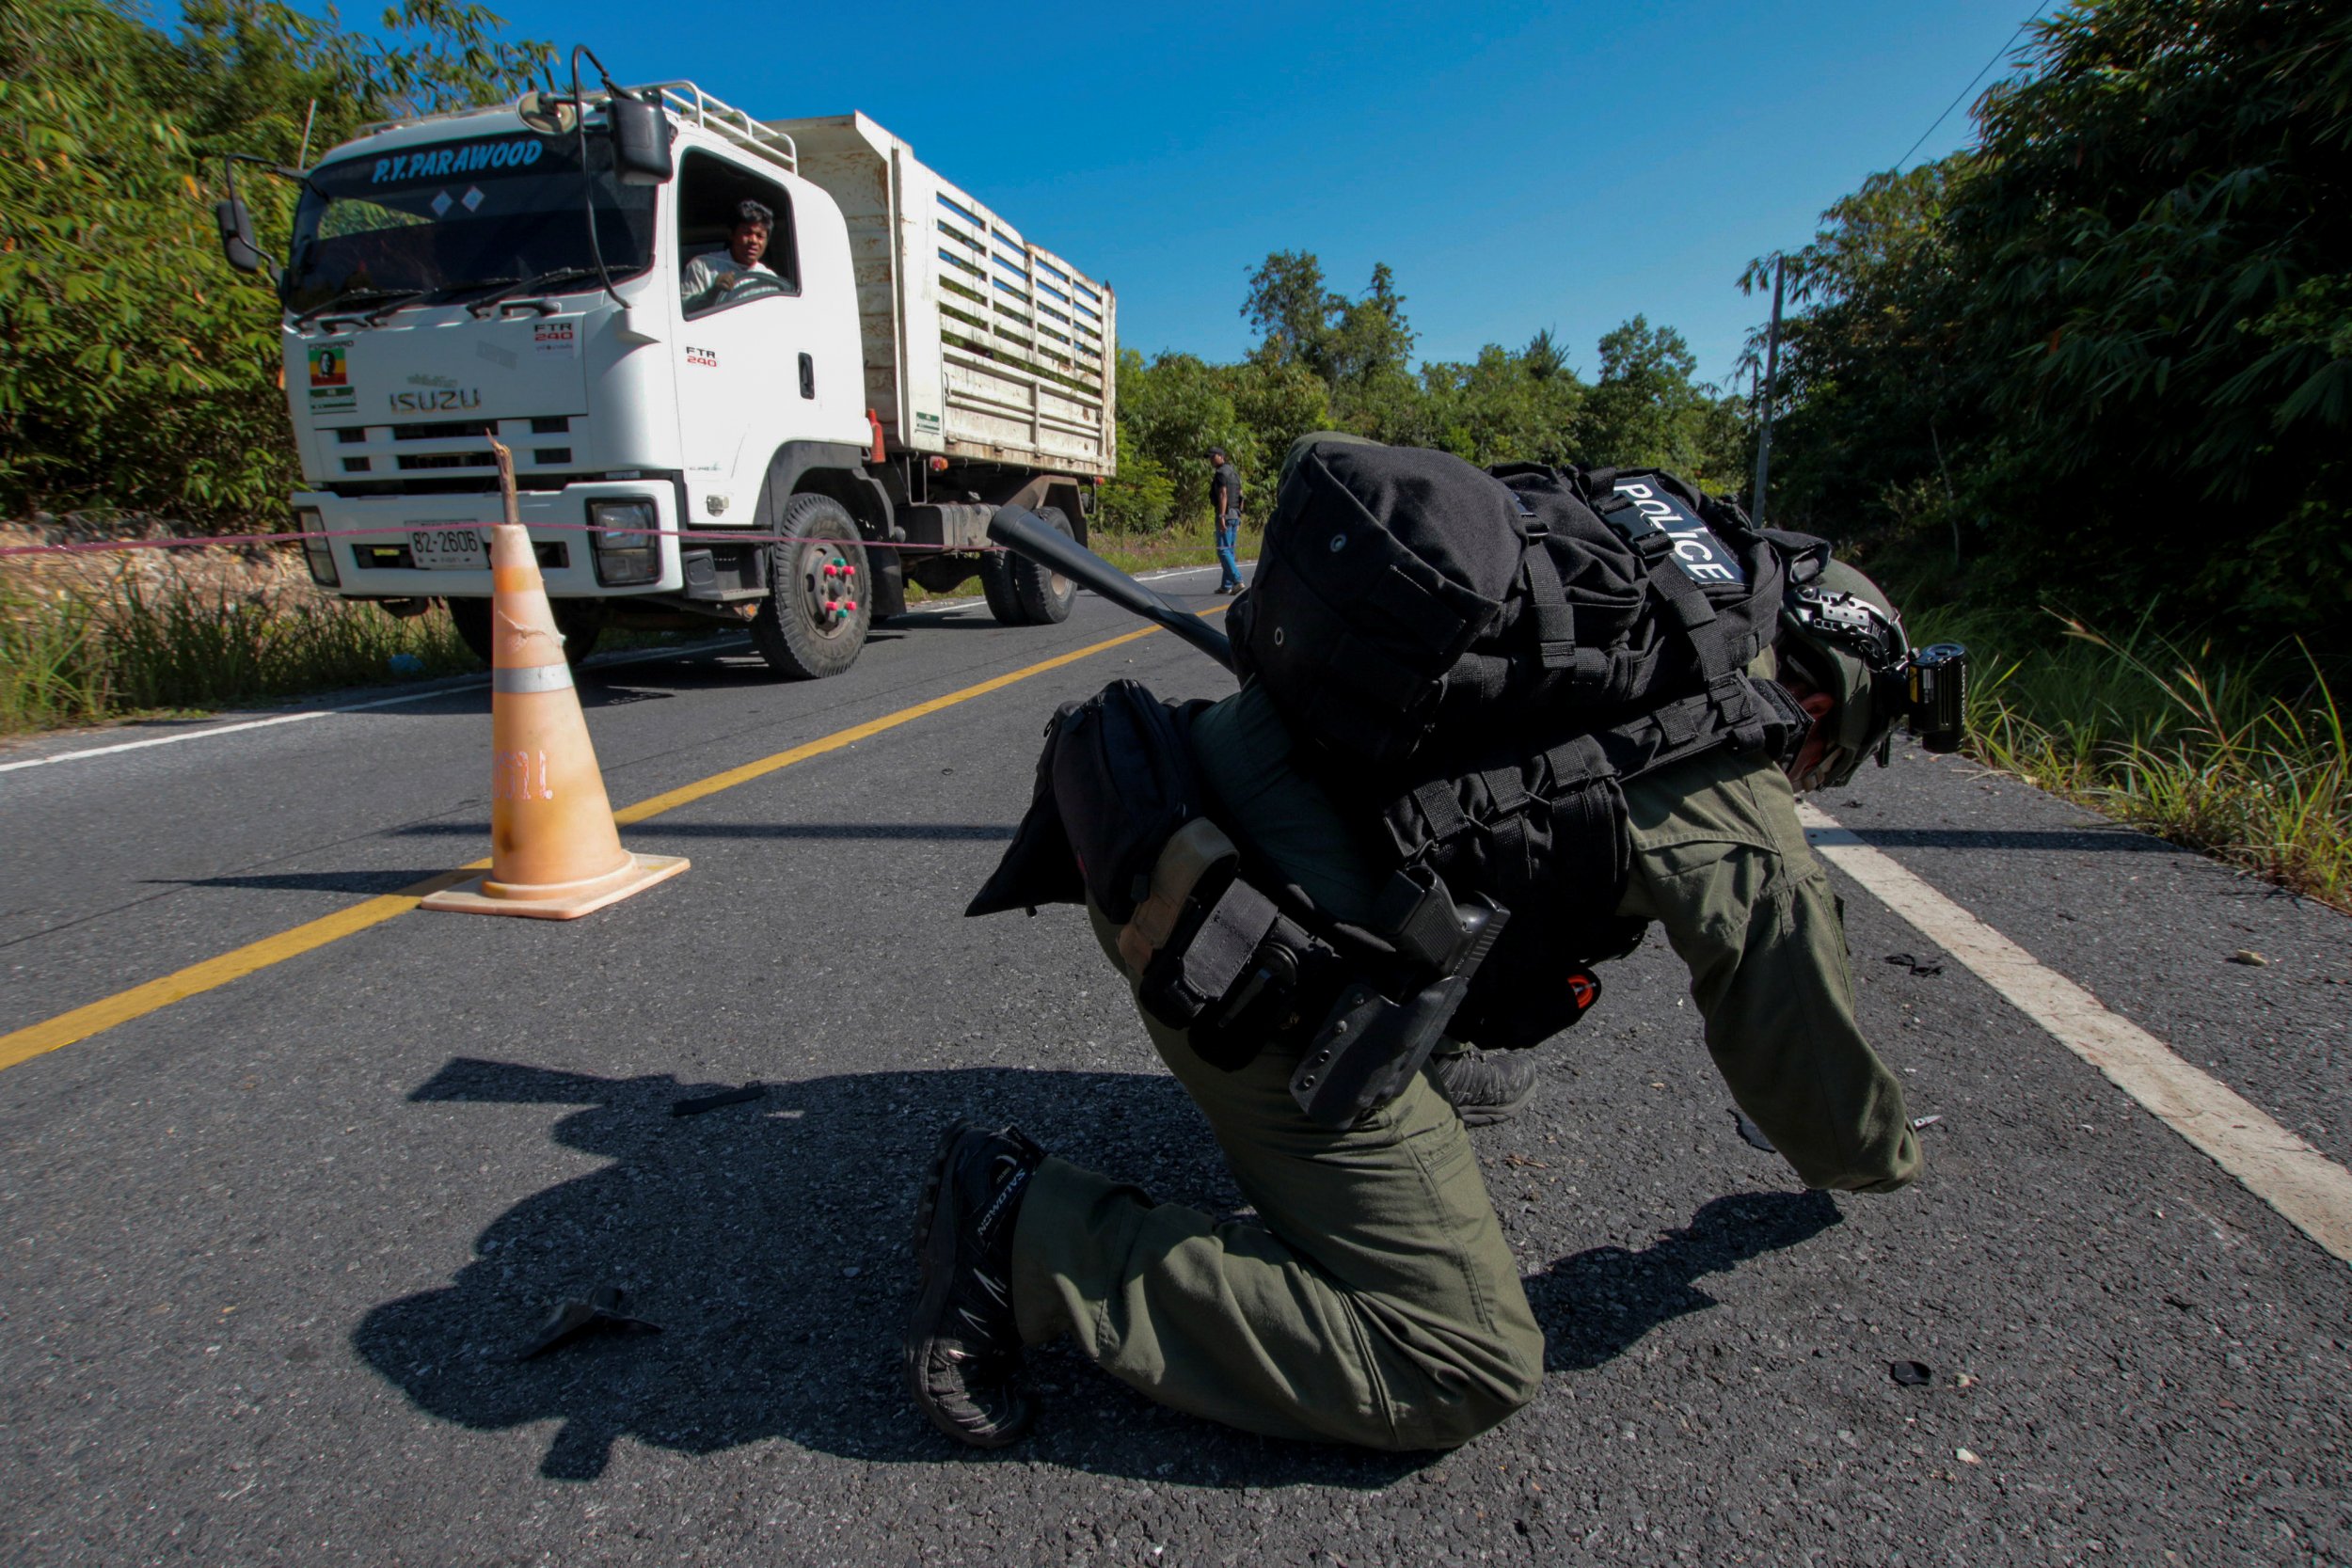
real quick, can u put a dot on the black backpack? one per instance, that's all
(1477, 661)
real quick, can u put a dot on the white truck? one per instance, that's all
(787, 452)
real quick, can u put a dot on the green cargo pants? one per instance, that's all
(1374, 1300)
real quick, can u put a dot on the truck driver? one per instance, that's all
(708, 277)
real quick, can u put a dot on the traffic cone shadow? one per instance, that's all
(555, 853)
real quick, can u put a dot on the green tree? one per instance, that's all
(1277, 404)
(1543, 358)
(1504, 407)
(1291, 310)
(1361, 349)
(1141, 496)
(1880, 392)
(137, 371)
(1645, 410)
(1171, 411)
(1368, 339)
(2101, 359)
(1324, 361)
(2163, 227)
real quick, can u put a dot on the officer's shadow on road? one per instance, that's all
(1595, 1304)
(768, 1241)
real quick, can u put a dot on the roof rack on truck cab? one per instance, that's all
(726, 119)
(684, 99)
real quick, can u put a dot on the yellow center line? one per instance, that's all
(97, 1017)
(82, 1023)
(688, 794)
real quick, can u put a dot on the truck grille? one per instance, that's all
(449, 457)
(461, 430)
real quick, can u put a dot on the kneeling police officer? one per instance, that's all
(1375, 1300)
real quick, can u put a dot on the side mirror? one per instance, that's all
(237, 236)
(640, 139)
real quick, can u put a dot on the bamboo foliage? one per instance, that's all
(137, 372)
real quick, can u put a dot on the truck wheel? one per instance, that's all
(996, 583)
(580, 620)
(813, 621)
(1045, 595)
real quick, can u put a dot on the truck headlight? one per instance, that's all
(320, 553)
(627, 547)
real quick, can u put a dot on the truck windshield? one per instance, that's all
(463, 214)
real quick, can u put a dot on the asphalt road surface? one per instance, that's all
(271, 1248)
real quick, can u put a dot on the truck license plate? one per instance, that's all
(448, 548)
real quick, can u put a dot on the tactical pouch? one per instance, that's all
(1194, 867)
(1198, 933)
(1115, 782)
(1216, 957)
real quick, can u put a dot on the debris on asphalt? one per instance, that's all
(1930, 965)
(602, 1310)
(700, 1104)
(1918, 1122)
(1910, 1374)
(1966, 1457)
(2248, 956)
(1751, 1133)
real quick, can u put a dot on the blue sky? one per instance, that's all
(1519, 165)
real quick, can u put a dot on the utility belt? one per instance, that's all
(1222, 946)
(1215, 955)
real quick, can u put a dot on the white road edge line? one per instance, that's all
(469, 684)
(2310, 1191)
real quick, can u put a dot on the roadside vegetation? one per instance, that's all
(2246, 761)
(136, 640)
(137, 372)
(2081, 395)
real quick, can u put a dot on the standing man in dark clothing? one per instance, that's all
(1225, 508)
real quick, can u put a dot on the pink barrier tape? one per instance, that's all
(725, 536)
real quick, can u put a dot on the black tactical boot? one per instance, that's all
(963, 1349)
(1486, 1087)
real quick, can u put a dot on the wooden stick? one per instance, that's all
(506, 480)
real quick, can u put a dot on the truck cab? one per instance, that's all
(516, 273)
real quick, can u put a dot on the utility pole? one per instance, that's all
(1772, 374)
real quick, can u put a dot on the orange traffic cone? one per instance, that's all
(554, 851)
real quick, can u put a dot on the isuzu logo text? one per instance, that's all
(437, 402)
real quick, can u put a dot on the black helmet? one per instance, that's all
(1843, 635)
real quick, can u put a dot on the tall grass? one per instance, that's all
(87, 654)
(2247, 762)
(1170, 548)
(48, 673)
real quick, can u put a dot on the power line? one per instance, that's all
(1997, 56)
